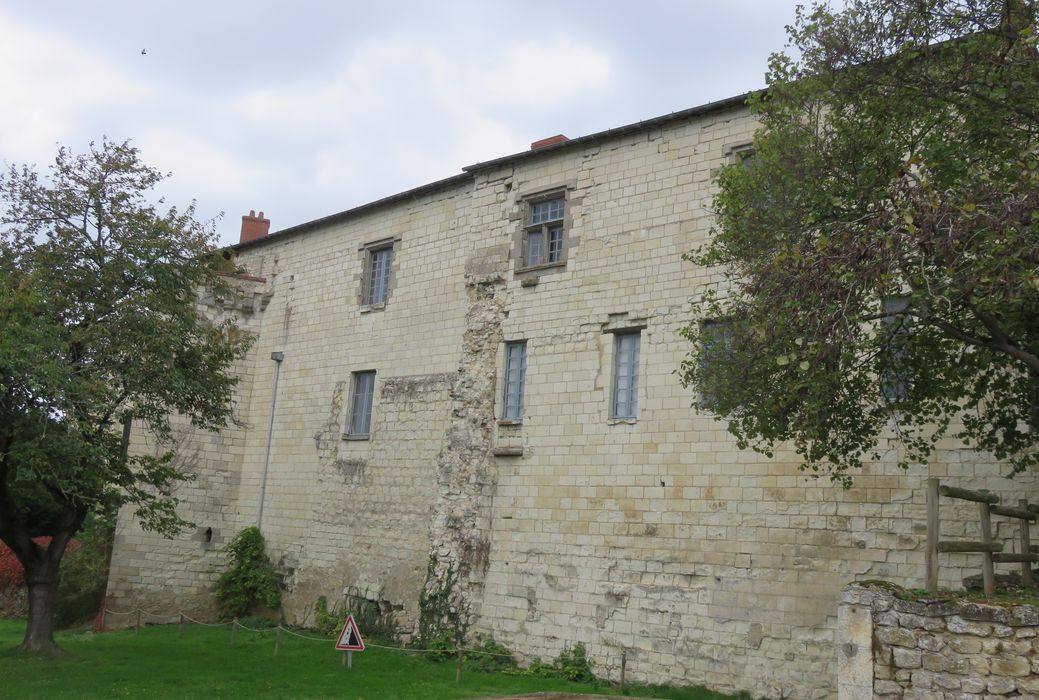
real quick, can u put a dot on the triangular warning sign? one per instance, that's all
(350, 637)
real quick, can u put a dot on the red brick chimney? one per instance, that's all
(254, 227)
(550, 141)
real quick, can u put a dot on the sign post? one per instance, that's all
(349, 641)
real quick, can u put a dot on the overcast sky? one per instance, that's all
(305, 109)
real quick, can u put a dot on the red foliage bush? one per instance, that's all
(12, 584)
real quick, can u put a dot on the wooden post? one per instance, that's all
(933, 535)
(277, 640)
(988, 572)
(234, 630)
(624, 666)
(137, 627)
(180, 631)
(104, 611)
(458, 667)
(1027, 577)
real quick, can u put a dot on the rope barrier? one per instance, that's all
(205, 624)
(304, 636)
(467, 652)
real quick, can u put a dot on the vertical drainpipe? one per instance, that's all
(277, 357)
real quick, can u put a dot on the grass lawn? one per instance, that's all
(156, 664)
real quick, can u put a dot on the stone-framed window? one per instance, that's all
(359, 425)
(514, 380)
(895, 378)
(378, 260)
(716, 343)
(543, 242)
(624, 397)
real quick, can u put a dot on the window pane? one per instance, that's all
(555, 244)
(895, 376)
(626, 375)
(515, 373)
(534, 241)
(361, 406)
(379, 275)
(716, 351)
(548, 210)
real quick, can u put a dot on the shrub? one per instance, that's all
(572, 664)
(329, 622)
(84, 575)
(497, 658)
(251, 581)
(441, 646)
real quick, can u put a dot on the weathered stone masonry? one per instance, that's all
(934, 649)
(654, 537)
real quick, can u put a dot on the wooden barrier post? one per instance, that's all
(458, 667)
(137, 627)
(933, 533)
(624, 667)
(277, 640)
(988, 572)
(1027, 577)
(180, 631)
(234, 630)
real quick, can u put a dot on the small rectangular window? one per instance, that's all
(515, 375)
(544, 236)
(894, 376)
(715, 352)
(380, 261)
(625, 375)
(361, 405)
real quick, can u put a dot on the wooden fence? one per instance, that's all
(991, 551)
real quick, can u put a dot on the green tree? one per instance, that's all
(880, 247)
(99, 327)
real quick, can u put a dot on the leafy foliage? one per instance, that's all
(897, 160)
(440, 622)
(98, 295)
(84, 573)
(497, 658)
(329, 622)
(572, 664)
(251, 580)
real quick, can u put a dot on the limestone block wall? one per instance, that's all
(165, 576)
(939, 650)
(651, 535)
(340, 516)
(656, 537)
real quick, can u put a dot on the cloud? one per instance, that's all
(49, 85)
(542, 75)
(400, 111)
(192, 160)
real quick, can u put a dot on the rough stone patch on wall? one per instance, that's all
(466, 476)
(934, 649)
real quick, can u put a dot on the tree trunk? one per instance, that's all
(42, 583)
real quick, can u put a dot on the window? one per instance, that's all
(377, 282)
(543, 242)
(894, 374)
(625, 375)
(715, 353)
(361, 405)
(515, 374)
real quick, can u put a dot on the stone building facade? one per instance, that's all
(478, 384)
